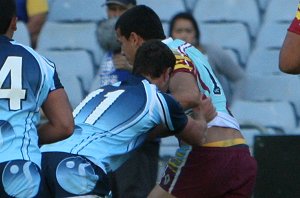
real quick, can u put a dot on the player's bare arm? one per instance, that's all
(183, 87)
(60, 123)
(289, 59)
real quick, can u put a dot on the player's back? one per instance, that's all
(115, 119)
(25, 81)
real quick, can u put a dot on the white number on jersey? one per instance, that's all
(111, 97)
(12, 67)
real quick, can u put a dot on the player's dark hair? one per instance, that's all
(8, 10)
(186, 16)
(143, 21)
(153, 58)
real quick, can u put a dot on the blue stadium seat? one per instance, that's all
(165, 9)
(62, 36)
(271, 35)
(76, 10)
(75, 69)
(275, 115)
(269, 88)
(280, 11)
(22, 34)
(245, 12)
(263, 61)
(233, 36)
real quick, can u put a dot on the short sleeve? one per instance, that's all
(35, 7)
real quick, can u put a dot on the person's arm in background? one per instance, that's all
(289, 58)
(60, 122)
(37, 14)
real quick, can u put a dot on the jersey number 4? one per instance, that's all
(13, 68)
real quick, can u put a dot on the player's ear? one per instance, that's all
(13, 23)
(136, 40)
(167, 74)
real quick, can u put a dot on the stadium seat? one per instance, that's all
(269, 88)
(168, 146)
(190, 5)
(276, 115)
(245, 12)
(262, 4)
(22, 35)
(62, 36)
(75, 70)
(280, 11)
(221, 34)
(76, 10)
(165, 9)
(271, 35)
(166, 28)
(263, 61)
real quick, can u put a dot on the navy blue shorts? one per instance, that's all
(20, 178)
(70, 175)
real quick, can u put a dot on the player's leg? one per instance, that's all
(70, 175)
(137, 176)
(20, 178)
(158, 192)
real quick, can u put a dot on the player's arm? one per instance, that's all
(60, 122)
(183, 87)
(193, 133)
(289, 58)
(190, 129)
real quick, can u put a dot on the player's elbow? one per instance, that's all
(66, 129)
(289, 68)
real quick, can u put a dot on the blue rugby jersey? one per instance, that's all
(114, 120)
(26, 78)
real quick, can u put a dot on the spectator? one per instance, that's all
(28, 82)
(107, 130)
(34, 14)
(114, 66)
(117, 7)
(184, 26)
(289, 59)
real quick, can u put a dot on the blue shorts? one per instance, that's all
(70, 175)
(20, 178)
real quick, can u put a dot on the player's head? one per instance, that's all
(136, 25)
(143, 21)
(117, 7)
(8, 12)
(156, 61)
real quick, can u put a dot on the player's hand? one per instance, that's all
(207, 108)
(121, 62)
